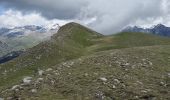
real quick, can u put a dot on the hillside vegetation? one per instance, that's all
(81, 64)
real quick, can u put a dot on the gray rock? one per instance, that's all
(1, 98)
(39, 80)
(125, 64)
(117, 81)
(27, 80)
(49, 69)
(40, 72)
(15, 87)
(113, 86)
(34, 91)
(103, 79)
(168, 74)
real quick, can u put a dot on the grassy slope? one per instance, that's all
(97, 55)
(64, 46)
(127, 40)
(82, 79)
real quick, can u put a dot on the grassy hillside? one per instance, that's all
(128, 40)
(64, 46)
(81, 64)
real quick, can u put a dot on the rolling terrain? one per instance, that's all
(78, 63)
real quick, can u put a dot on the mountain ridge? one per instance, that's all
(158, 29)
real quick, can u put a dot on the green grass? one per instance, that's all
(139, 39)
(127, 40)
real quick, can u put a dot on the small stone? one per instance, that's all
(117, 81)
(163, 84)
(113, 86)
(150, 63)
(143, 59)
(69, 73)
(144, 91)
(125, 64)
(15, 87)
(139, 82)
(49, 69)
(40, 79)
(52, 82)
(103, 79)
(40, 72)
(68, 66)
(124, 85)
(72, 63)
(168, 74)
(57, 74)
(34, 91)
(136, 97)
(27, 80)
(86, 74)
(100, 95)
(16, 90)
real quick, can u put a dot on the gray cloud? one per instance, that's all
(62, 9)
(110, 15)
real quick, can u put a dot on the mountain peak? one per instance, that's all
(75, 28)
(69, 26)
(158, 29)
(159, 26)
(77, 33)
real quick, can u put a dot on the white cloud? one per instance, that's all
(105, 16)
(13, 18)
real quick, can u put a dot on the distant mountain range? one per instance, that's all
(159, 29)
(26, 30)
(23, 37)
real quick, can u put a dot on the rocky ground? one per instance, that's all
(127, 74)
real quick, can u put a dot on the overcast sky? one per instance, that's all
(105, 16)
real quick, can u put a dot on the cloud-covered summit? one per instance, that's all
(106, 16)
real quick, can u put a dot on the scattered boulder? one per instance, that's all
(1, 98)
(150, 63)
(103, 79)
(34, 91)
(39, 80)
(86, 74)
(15, 87)
(49, 69)
(125, 64)
(40, 72)
(117, 81)
(163, 84)
(100, 95)
(57, 73)
(27, 80)
(113, 86)
(168, 74)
